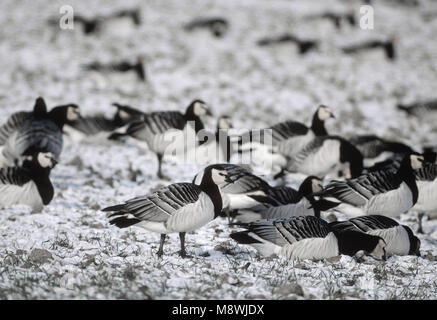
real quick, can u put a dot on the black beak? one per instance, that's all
(208, 112)
(54, 163)
(332, 116)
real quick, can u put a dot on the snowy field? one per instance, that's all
(69, 251)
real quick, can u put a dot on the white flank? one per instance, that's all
(427, 200)
(26, 194)
(396, 239)
(391, 203)
(312, 248)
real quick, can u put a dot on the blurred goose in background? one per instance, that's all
(286, 202)
(378, 192)
(338, 19)
(386, 47)
(179, 207)
(37, 130)
(421, 109)
(30, 184)
(309, 237)
(303, 46)
(137, 67)
(92, 126)
(217, 26)
(399, 239)
(170, 131)
(374, 148)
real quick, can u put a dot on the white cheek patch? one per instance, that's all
(217, 177)
(415, 162)
(123, 114)
(224, 124)
(317, 186)
(199, 109)
(324, 113)
(379, 249)
(44, 160)
(72, 114)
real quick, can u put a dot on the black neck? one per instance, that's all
(42, 181)
(213, 191)
(198, 124)
(350, 242)
(318, 126)
(59, 116)
(406, 174)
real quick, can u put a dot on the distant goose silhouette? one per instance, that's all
(218, 26)
(387, 46)
(304, 46)
(123, 66)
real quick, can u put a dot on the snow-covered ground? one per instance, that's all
(69, 251)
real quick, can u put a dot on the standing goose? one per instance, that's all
(215, 148)
(287, 202)
(287, 139)
(179, 207)
(307, 238)
(399, 239)
(323, 155)
(378, 192)
(167, 130)
(40, 130)
(91, 126)
(30, 184)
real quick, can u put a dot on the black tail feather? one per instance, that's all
(118, 207)
(243, 237)
(124, 222)
(324, 205)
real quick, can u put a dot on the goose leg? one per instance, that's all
(183, 253)
(420, 220)
(161, 245)
(160, 175)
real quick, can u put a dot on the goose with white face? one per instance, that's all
(46, 160)
(325, 113)
(218, 176)
(73, 113)
(416, 161)
(225, 123)
(201, 109)
(316, 185)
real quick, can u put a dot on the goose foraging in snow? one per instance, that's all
(30, 184)
(307, 237)
(378, 192)
(179, 207)
(399, 239)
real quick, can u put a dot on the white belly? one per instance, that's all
(427, 200)
(27, 195)
(312, 248)
(242, 201)
(391, 203)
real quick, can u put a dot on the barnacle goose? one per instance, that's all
(304, 46)
(372, 146)
(324, 155)
(387, 46)
(287, 139)
(30, 184)
(215, 147)
(307, 237)
(240, 189)
(165, 129)
(37, 130)
(339, 19)
(179, 207)
(420, 109)
(91, 126)
(287, 202)
(426, 179)
(378, 192)
(399, 239)
(216, 25)
(123, 66)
